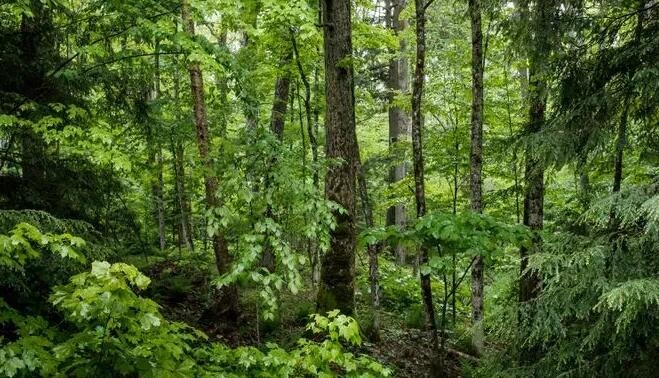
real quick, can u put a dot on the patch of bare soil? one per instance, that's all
(410, 353)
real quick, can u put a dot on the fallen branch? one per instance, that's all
(464, 355)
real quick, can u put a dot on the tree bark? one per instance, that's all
(417, 147)
(530, 282)
(277, 121)
(621, 140)
(336, 289)
(476, 165)
(37, 49)
(186, 237)
(312, 131)
(220, 248)
(399, 119)
(158, 184)
(249, 98)
(280, 102)
(372, 249)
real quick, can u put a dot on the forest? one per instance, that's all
(332, 188)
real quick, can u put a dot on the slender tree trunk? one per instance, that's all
(417, 147)
(514, 163)
(247, 95)
(372, 249)
(280, 102)
(277, 121)
(316, 125)
(476, 165)
(186, 237)
(223, 91)
(530, 281)
(37, 48)
(621, 139)
(338, 264)
(399, 120)
(312, 131)
(158, 184)
(220, 248)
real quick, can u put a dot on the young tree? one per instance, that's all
(399, 119)
(156, 158)
(277, 121)
(417, 147)
(336, 289)
(534, 169)
(220, 248)
(476, 163)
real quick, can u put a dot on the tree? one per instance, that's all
(399, 120)
(534, 169)
(417, 149)
(336, 288)
(476, 164)
(277, 121)
(220, 248)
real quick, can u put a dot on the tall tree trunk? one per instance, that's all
(372, 249)
(417, 147)
(37, 49)
(312, 131)
(476, 165)
(277, 121)
(186, 237)
(247, 95)
(220, 248)
(399, 119)
(621, 139)
(157, 187)
(223, 91)
(280, 102)
(338, 264)
(530, 282)
(514, 162)
(316, 125)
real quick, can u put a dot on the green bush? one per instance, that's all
(109, 330)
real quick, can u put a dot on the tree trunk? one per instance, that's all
(476, 165)
(186, 237)
(621, 139)
(399, 120)
(37, 48)
(280, 102)
(185, 227)
(312, 131)
(223, 91)
(372, 249)
(336, 289)
(158, 184)
(530, 282)
(220, 249)
(417, 147)
(246, 94)
(277, 121)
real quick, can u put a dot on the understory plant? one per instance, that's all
(109, 330)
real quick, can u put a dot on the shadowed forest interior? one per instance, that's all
(353, 188)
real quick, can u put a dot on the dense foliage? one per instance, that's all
(194, 188)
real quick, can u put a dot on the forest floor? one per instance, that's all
(408, 351)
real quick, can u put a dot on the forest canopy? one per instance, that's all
(293, 188)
